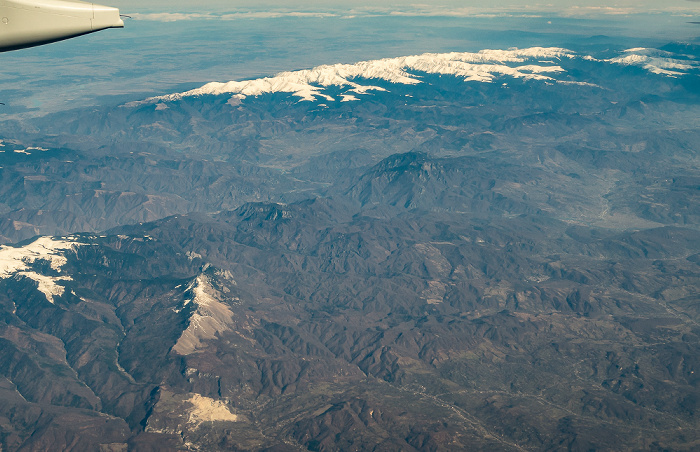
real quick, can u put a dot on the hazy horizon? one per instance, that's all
(565, 6)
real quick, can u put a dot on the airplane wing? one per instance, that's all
(28, 23)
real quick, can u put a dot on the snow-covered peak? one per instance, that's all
(537, 63)
(655, 61)
(353, 80)
(18, 261)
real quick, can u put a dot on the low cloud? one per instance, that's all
(595, 10)
(175, 17)
(421, 10)
(171, 17)
(274, 15)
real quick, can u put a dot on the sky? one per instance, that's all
(177, 10)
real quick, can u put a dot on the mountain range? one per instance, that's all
(464, 251)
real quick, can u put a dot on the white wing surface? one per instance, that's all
(28, 23)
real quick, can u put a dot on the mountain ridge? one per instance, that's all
(483, 66)
(443, 265)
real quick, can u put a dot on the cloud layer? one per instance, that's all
(428, 10)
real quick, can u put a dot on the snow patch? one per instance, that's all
(569, 82)
(30, 148)
(191, 255)
(17, 261)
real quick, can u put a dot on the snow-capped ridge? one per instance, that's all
(309, 84)
(16, 262)
(655, 61)
(485, 66)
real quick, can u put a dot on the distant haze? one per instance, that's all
(222, 5)
(170, 47)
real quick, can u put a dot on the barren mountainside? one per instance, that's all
(442, 262)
